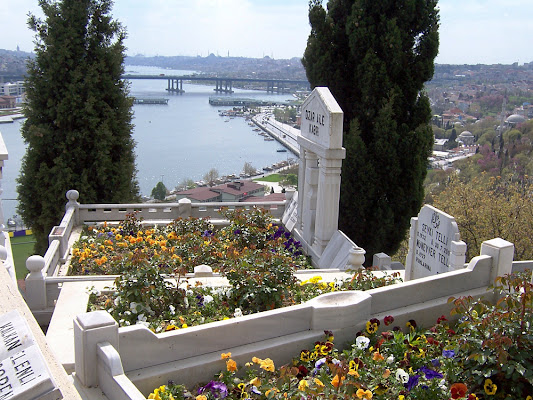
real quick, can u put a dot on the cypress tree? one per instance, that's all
(375, 57)
(78, 126)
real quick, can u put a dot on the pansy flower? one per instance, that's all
(458, 390)
(490, 387)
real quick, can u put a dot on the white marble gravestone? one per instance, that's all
(434, 244)
(24, 374)
(290, 216)
(319, 176)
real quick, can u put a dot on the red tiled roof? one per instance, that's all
(270, 197)
(200, 194)
(245, 187)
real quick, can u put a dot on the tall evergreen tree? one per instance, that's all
(78, 126)
(375, 57)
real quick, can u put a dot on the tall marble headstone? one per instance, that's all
(434, 244)
(319, 177)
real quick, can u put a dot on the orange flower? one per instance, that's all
(231, 365)
(364, 394)
(224, 356)
(268, 365)
(377, 356)
(337, 381)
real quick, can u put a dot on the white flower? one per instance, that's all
(127, 312)
(133, 307)
(117, 301)
(186, 302)
(208, 299)
(390, 359)
(189, 292)
(237, 313)
(362, 342)
(127, 323)
(172, 309)
(402, 376)
(141, 317)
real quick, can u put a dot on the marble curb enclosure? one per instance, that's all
(120, 359)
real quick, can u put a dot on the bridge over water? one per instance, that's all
(222, 84)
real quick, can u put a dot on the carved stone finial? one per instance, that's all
(35, 264)
(73, 196)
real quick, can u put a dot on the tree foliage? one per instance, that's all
(375, 58)
(159, 192)
(211, 176)
(78, 126)
(487, 207)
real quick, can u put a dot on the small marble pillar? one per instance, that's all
(35, 283)
(502, 253)
(89, 330)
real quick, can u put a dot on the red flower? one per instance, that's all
(451, 332)
(387, 335)
(389, 319)
(442, 318)
(432, 341)
(458, 390)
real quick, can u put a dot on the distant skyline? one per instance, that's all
(471, 31)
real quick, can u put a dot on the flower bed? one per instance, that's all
(488, 354)
(257, 257)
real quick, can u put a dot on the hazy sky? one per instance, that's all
(471, 32)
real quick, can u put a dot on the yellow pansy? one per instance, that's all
(490, 388)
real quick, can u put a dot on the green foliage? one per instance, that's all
(78, 126)
(258, 259)
(159, 192)
(290, 180)
(375, 59)
(495, 341)
(488, 207)
(488, 354)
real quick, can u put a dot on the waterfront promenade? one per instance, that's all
(283, 133)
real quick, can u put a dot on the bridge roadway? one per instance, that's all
(223, 84)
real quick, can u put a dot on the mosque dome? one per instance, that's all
(515, 119)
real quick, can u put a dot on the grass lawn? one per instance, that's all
(270, 178)
(22, 247)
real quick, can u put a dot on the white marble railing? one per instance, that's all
(44, 279)
(191, 355)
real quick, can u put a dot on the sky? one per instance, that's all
(471, 31)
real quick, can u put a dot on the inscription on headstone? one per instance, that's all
(24, 374)
(321, 119)
(430, 251)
